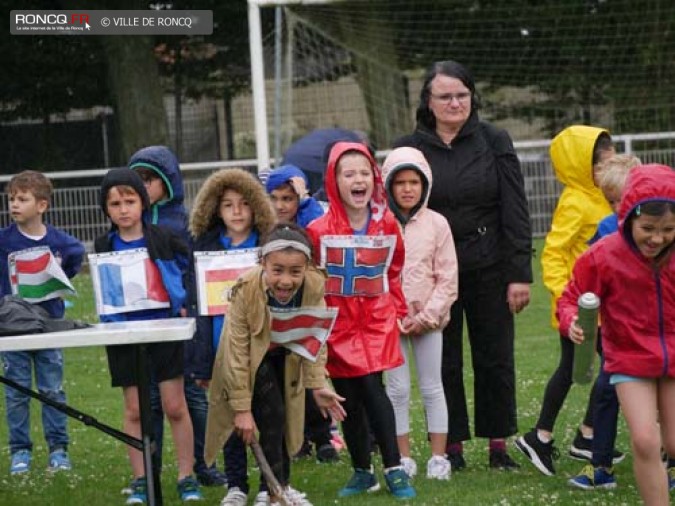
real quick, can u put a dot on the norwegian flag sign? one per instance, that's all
(302, 330)
(126, 281)
(35, 275)
(216, 273)
(357, 265)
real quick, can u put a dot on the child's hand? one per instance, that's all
(412, 327)
(576, 333)
(299, 186)
(329, 403)
(244, 426)
(183, 312)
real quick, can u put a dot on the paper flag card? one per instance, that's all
(302, 330)
(36, 276)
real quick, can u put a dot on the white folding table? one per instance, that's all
(138, 333)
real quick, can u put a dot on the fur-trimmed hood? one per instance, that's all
(204, 215)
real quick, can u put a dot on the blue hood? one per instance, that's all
(282, 175)
(161, 160)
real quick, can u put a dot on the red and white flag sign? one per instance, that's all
(302, 330)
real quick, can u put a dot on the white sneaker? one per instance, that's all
(234, 497)
(295, 497)
(438, 468)
(262, 499)
(409, 466)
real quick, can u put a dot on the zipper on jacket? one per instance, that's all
(662, 339)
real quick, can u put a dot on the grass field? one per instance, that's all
(101, 468)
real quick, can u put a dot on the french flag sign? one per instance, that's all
(35, 275)
(357, 264)
(302, 330)
(216, 273)
(126, 281)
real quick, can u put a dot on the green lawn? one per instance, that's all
(101, 468)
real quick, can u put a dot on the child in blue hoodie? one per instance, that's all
(287, 187)
(160, 171)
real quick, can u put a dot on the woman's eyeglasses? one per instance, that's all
(447, 98)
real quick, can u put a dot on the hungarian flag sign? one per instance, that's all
(357, 265)
(36, 276)
(216, 273)
(126, 281)
(302, 330)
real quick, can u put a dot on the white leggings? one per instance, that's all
(428, 350)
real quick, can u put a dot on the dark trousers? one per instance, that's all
(236, 464)
(482, 300)
(269, 413)
(270, 417)
(558, 387)
(367, 405)
(605, 418)
(317, 427)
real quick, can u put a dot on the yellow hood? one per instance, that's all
(572, 156)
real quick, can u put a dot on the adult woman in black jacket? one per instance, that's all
(478, 187)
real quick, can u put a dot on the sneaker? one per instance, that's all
(261, 499)
(499, 459)
(457, 462)
(59, 461)
(304, 451)
(438, 468)
(139, 491)
(409, 466)
(591, 478)
(234, 497)
(362, 480)
(327, 453)
(295, 497)
(399, 484)
(20, 462)
(188, 489)
(671, 478)
(211, 477)
(582, 449)
(540, 454)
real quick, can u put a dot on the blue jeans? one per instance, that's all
(198, 406)
(18, 367)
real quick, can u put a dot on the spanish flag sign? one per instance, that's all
(216, 273)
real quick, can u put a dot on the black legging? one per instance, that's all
(269, 413)
(367, 405)
(559, 386)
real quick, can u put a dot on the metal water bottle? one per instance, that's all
(584, 353)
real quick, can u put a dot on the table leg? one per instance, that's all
(152, 474)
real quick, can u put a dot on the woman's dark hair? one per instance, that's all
(602, 143)
(448, 68)
(287, 232)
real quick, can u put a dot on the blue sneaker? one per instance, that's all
(139, 491)
(20, 462)
(363, 480)
(188, 490)
(59, 461)
(592, 478)
(399, 484)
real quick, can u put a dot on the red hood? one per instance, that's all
(646, 183)
(378, 202)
